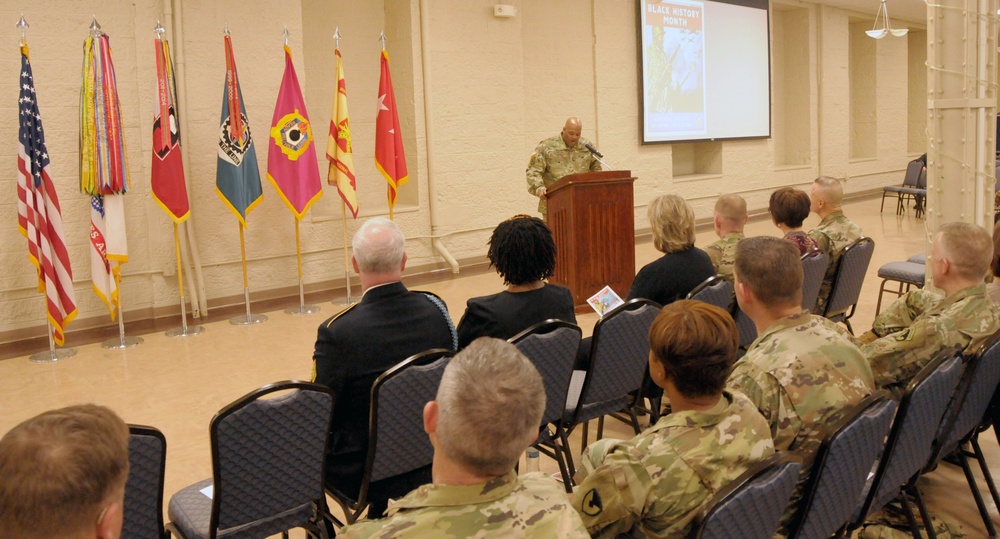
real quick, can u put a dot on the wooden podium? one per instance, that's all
(592, 222)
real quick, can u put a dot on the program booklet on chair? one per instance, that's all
(605, 301)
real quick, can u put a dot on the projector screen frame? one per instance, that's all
(756, 4)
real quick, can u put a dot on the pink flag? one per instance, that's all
(291, 157)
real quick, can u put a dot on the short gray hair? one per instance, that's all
(378, 246)
(490, 405)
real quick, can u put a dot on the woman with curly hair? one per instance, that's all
(522, 252)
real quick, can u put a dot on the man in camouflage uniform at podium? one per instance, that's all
(559, 156)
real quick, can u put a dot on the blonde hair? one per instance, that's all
(969, 249)
(672, 221)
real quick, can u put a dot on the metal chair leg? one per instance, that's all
(567, 452)
(985, 469)
(910, 519)
(922, 507)
(563, 470)
(974, 487)
(635, 420)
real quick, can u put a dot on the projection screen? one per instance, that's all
(705, 70)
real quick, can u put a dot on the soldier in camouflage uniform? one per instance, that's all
(730, 218)
(803, 372)
(834, 232)
(479, 431)
(556, 157)
(654, 484)
(920, 324)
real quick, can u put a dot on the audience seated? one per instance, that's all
(654, 484)
(993, 288)
(486, 413)
(355, 346)
(63, 473)
(918, 325)
(682, 266)
(802, 372)
(523, 253)
(788, 208)
(730, 218)
(834, 232)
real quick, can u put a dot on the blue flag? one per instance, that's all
(237, 178)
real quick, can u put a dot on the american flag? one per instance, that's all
(38, 215)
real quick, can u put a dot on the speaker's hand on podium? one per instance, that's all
(540, 192)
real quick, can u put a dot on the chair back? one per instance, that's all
(912, 175)
(397, 442)
(715, 291)
(972, 398)
(619, 357)
(814, 264)
(147, 460)
(551, 347)
(268, 456)
(850, 275)
(922, 179)
(910, 440)
(841, 468)
(750, 506)
(746, 328)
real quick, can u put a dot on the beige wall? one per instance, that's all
(496, 87)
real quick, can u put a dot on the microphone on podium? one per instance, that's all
(592, 149)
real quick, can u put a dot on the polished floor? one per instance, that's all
(177, 384)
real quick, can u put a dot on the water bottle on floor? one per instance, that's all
(532, 461)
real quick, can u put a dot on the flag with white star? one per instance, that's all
(389, 157)
(39, 217)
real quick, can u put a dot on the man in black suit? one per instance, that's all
(355, 346)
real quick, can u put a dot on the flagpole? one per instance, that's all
(382, 39)
(302, 308)
(249, 319)
(347, 260)
(53, 354)
(122, 341)
(184, 330)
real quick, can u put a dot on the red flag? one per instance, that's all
(39, 217)
(291, 157)
(389, 156)
(167, 172)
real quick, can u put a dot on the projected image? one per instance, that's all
(675, 68)
(705, 70)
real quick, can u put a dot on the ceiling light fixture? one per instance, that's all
(879, 33)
